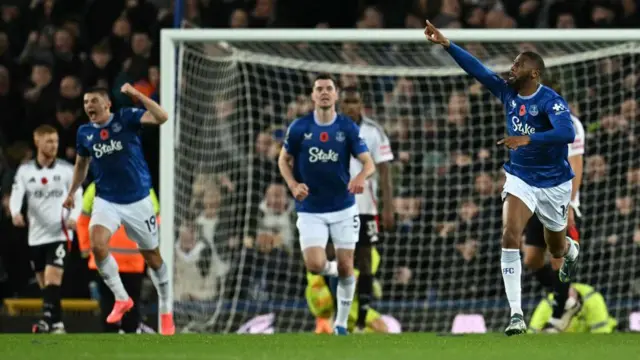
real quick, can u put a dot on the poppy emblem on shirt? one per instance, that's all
(523, 110)
(104, 134)
(324, 136)
(44, 181)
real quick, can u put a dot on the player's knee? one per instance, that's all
(52, 275)
(152, 257)
(345, 268)
(314, 265)
(511, 237)
(100, 242)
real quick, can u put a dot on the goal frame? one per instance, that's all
(170, 40)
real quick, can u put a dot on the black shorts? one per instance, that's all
(368, 230)
(534, 232)
(52, 254)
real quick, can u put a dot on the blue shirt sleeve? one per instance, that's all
(131, 117)
(559, 115)
(475, 68)
(357, 145)
(292, 139)
(81, 150)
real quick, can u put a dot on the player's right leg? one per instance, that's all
(52, 281)
(519, 204)
(367, 236)
(139, 220)
(105, 220)
(344, 234)
(314, 235)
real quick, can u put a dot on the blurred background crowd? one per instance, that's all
(447, 170)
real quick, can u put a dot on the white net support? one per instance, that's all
(233, 238)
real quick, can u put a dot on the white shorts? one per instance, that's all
(343, 226)
(138, 218)
(551, 205)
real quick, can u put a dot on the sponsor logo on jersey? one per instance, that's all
(533, 110)
(521, 128)
(317, 154)
(116, 127)
(559, 108)
(100, 150)
(43, 194)
(340, 136)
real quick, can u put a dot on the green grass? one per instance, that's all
(326, 347)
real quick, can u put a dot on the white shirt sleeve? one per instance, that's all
(381, 151)
(17, 193)
(577, 147)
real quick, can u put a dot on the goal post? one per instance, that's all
(225, 87)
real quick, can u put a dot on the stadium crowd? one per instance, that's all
(447, 168)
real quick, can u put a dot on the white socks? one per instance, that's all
(345, 293)
(160, 278)
(330, 268)
(512, 276)
(108, 269)
(572, 253)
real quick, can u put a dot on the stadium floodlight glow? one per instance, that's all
(227, 86)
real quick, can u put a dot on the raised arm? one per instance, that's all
(155, 114)
(469, 63)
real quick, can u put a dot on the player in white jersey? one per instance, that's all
(380, 148)
(112, 145)
(535, 249)
(314, 162)
(538, 174)
(44, 182)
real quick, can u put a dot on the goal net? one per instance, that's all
(237, 264)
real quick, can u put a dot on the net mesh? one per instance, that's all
(237, 258)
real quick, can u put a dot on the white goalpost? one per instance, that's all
(228, 231)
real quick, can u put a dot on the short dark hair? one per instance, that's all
(324, 76)
(537, 60)
(98, 90)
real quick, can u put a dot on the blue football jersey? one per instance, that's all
(544, 162)
(117, 163)
(322, 154)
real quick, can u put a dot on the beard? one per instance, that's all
(516, 83)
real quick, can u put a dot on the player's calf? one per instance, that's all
(365, 284)
(346, 284)
(51, 296)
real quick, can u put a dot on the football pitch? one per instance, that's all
(320, 347)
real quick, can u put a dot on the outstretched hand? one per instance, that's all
(434, 35)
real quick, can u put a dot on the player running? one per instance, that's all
(539, 128)
(535, 249)
(378, 144)
(314, 162)
(122, 179)
(45, 181)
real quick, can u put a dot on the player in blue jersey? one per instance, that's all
(539, 128)
(314, 162)
(111, 144)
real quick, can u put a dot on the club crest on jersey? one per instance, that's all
(340, 136)
(523, 110)
(533, 110)
(324, 136)
(116, 127)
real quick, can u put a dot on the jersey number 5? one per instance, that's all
(151, 223)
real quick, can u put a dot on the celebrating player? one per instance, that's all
(45, 181)
(534, 252)
(539, 127)
(123, 183)
(378, 144)
(314, 162)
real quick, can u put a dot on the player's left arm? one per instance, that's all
(559, 115)
(576, 154)
(155, 114)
